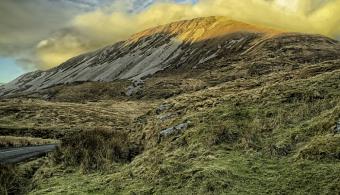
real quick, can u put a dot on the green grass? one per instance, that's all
(16, 179)
(272, 139)
(219, 172)
(248, 134)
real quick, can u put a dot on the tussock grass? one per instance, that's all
(96, 149)
(16, 179)
(54, 120)
(11, 141)
(9, 180)
(322, 148)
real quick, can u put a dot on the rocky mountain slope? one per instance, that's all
(180, 45)
(144, 54)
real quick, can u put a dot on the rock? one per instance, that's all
(164, 117)
(133, 90)
(337, 128)
(182, 126)
(163, 107)
(175, 130)
(169, 131)
(136, 86)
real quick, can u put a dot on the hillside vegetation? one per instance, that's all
(259, 117)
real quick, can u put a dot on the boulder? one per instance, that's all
(163, 107)
(174, 130)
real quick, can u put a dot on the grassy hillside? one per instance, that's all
(262, 134)
(277, 138)
(259, 117)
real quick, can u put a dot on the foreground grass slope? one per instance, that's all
(270, 137)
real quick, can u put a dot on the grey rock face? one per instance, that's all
(188, 44)
(174, 130)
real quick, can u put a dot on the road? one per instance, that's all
(15, 155)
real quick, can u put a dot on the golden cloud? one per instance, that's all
(99, 28)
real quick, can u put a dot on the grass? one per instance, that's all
(220, 172)
(16, 179)
(11, 141)
(255, 128)
(96, 149)
(275, 138)
(54, 120)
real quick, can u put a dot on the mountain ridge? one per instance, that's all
(187, 43)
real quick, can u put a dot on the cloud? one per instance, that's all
(114, 21)
(25, 23)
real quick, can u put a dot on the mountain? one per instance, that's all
(184, 45)
(202, 106)
(143, 54)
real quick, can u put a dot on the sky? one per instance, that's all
(41, 34)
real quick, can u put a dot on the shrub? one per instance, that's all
(16, 179)
(8, 180)
(95, 149)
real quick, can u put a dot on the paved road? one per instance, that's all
(15, 155)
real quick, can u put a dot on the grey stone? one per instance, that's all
(175, 130)
(182, 126)
(136, 86)
(169, 131)
(163, 107)
(337, 128)
(133, 90)
(164, 117)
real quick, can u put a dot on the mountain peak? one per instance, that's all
(183, 45)
(203, 28)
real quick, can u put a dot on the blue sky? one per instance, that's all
(9, 70)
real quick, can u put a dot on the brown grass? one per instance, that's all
(96, 149)
(11, 141)
(16, 179)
